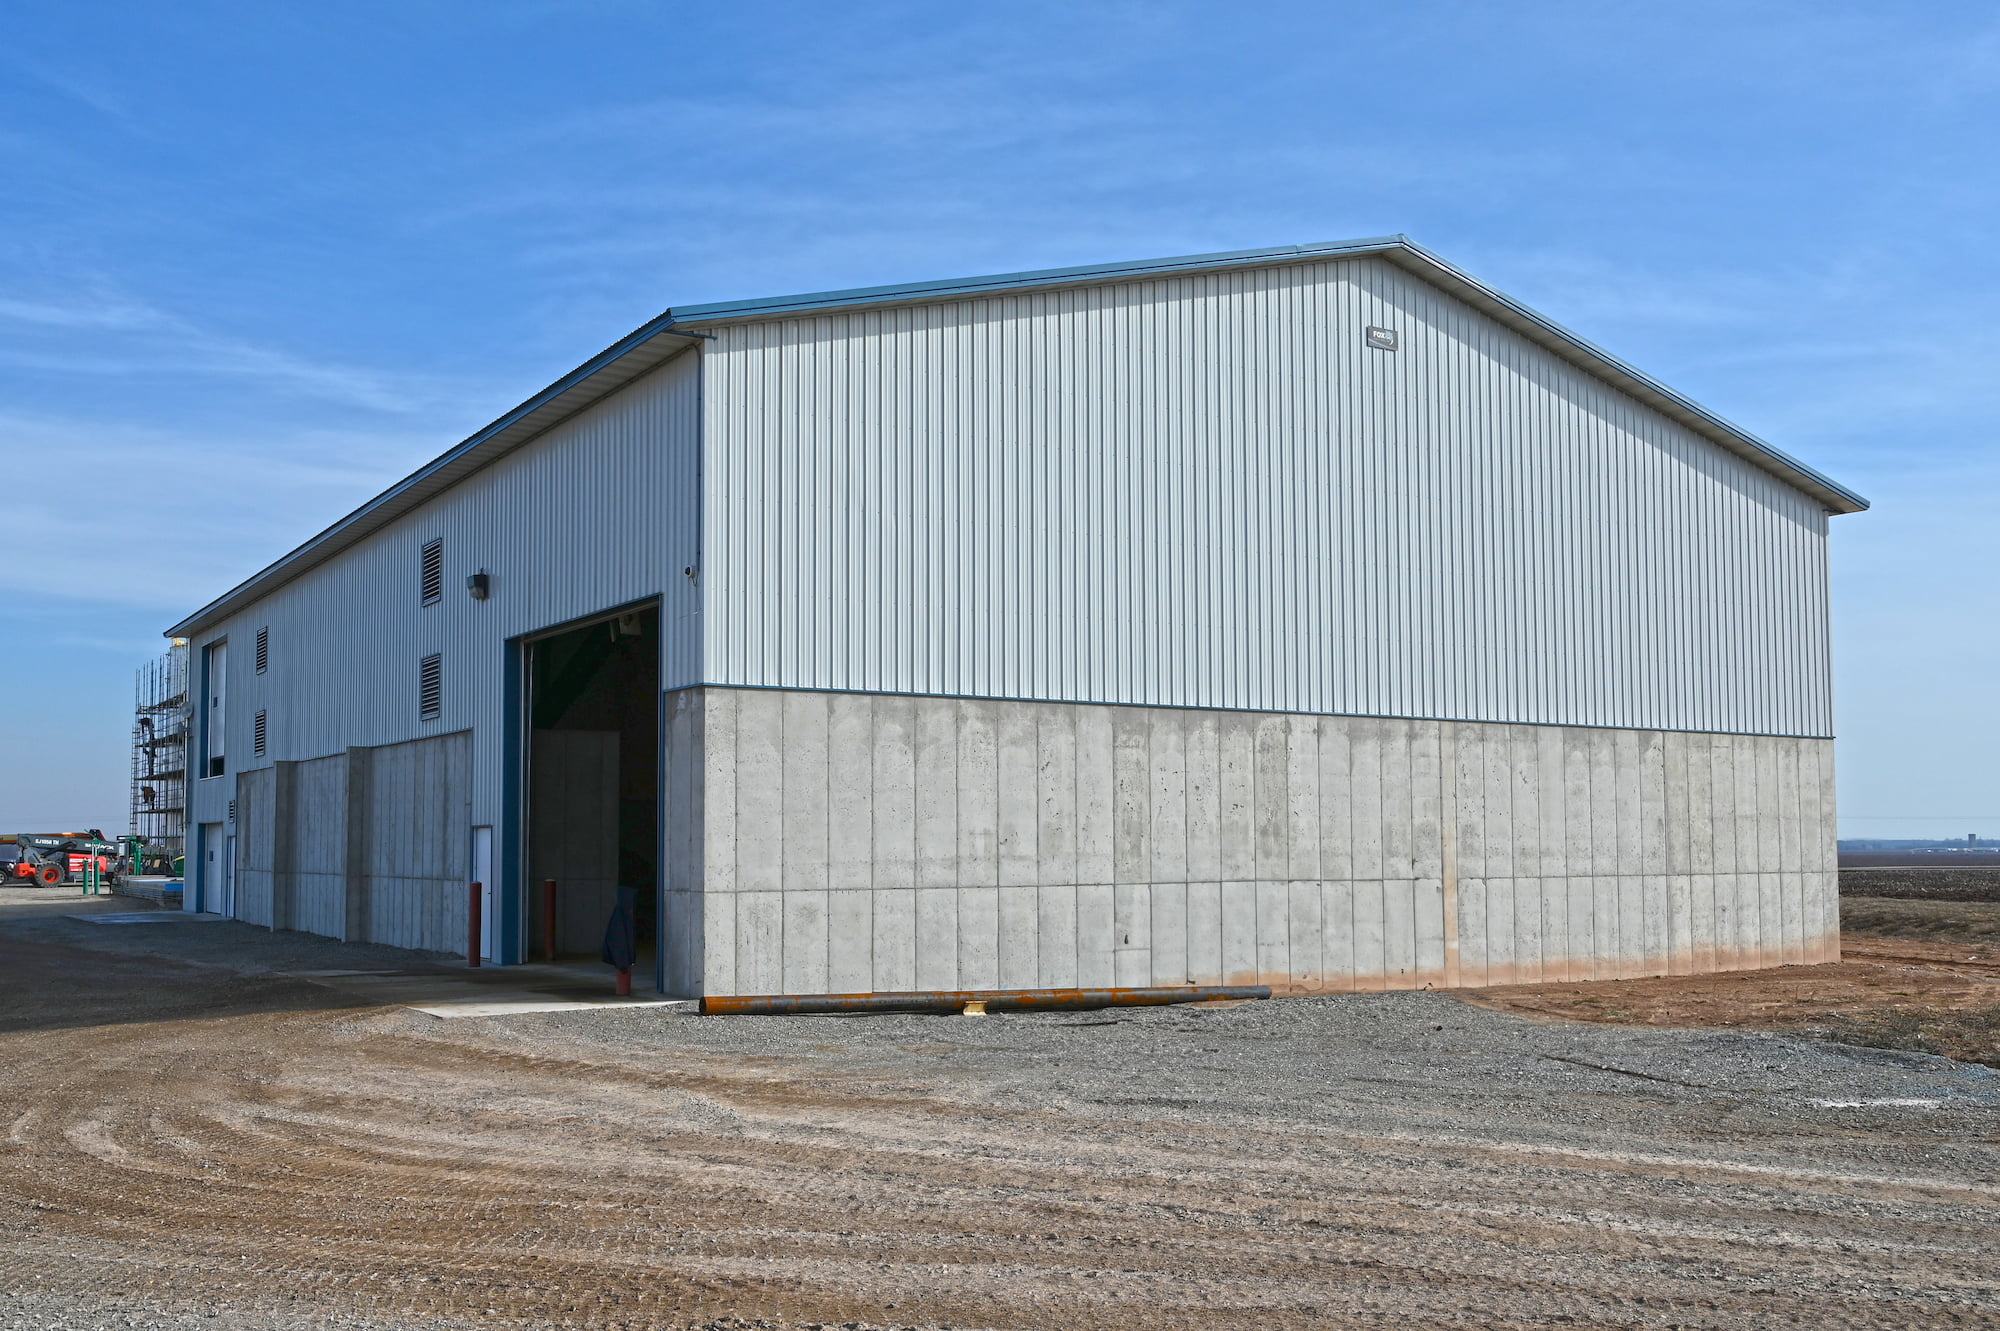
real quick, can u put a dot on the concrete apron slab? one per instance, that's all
(499, 992)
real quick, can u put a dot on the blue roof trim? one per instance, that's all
(603, 374)
(1399, 247)
(653, 342)
(903, 292)
(1630, 372)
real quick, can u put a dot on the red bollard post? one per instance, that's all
(625, 983)
(474, 905)
(548, 919)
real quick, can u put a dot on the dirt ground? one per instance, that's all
(195, 1134)
(1916, 975)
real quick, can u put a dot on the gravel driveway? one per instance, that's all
(194, 1137)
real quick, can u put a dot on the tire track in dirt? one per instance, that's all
(390, 1166)
(622, 1215)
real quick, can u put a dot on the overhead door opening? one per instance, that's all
(593, 782)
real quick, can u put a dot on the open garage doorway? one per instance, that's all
(592, 783)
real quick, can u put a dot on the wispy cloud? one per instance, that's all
(1819, 354)
(99, 331)
(104, 311)
(87, 92)
(122, 535)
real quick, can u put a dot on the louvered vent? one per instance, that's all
(433, 571)
(430, 687)
(258, 734)
(263, 650)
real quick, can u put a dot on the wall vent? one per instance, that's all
(232, 811)
(432, 578)
(258, 733)
(430, 687)
(263, 650)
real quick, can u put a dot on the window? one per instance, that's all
(432, 578)
(258, 734)
(215, 685)
(430, 687)
(263, 650)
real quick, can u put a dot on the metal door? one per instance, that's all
(482, 873)
(208, 867)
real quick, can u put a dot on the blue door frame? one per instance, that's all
(510, 936)
(512, 833)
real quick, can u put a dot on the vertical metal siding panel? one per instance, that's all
(599, 511)
(1205, 490)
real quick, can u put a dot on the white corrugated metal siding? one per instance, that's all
(1207, 490)
(599, 512)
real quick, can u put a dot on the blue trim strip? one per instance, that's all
(1629, 371)
(668, 325)
(903, 291)
(512, 830)
(1398, 244)
(200, 875)
(228, 602)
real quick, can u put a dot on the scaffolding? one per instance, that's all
(160, 751)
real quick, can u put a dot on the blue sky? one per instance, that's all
(257, 261)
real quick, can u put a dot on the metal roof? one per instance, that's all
(678, 329)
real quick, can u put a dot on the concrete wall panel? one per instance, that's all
(1056, 949)
(850, 948)
(1204, 932)
(760, 942)
(895, 955)
(420, 813)
(893, 802)
(850, 756)
(971, 796)
(937, 939)
(1018, 936)
(319, 846)
(256, 846)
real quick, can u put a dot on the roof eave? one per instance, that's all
(643, 351)
(960, 288)
(1592, 358)
(1398, 249)
(677, 330)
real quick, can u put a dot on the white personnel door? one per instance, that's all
(482, 873)
(208, 869)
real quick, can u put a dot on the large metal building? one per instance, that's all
(1313, 616)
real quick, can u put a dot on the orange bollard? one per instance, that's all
(473, 908)
(548, 919)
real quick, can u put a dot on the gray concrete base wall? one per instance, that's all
(418, 832)
(840, 842)
(318, 885)
(257, 838)
(371, 844)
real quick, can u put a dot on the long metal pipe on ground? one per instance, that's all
(995, 1000)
